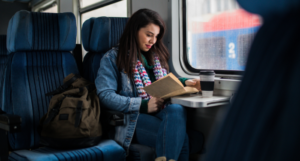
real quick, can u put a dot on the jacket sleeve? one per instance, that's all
(182, 80)
(107, 86)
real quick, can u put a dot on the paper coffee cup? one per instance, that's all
(207, 81)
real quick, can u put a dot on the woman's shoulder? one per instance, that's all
(112, 53)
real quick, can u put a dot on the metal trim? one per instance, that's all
(97, 5)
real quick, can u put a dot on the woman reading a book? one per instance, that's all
(142, 58)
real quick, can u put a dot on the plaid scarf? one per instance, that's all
(141, 78)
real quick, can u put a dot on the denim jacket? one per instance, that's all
(117, 92)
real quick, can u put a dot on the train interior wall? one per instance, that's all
(8, 9)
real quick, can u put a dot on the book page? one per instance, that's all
(186, 90)
(167, 86)
(175, 78)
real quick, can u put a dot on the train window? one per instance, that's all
(118, 9)
(218, 34)
(85, 3)
(51, 9)
(94, 3)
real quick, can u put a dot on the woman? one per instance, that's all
(140, 59)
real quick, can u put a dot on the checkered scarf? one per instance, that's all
(141, 78)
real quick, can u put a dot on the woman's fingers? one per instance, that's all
(197, 84)
(193, 83)
(159, 102)
(155, 104)
(190, 82)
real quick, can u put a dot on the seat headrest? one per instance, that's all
(3, 50)
(32, 31)
(102, 33)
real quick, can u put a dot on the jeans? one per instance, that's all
(166, 132)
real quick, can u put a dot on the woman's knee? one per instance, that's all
(176, 109)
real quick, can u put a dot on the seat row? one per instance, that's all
(39, 46)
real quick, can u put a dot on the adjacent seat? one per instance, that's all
(98, 36)
(3, 57)
(39, 59)
(3, 53)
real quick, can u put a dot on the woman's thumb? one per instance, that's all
(191, 82)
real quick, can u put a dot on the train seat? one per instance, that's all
(39, 59)
(3, 53)
(98, 36)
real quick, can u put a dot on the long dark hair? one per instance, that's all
(129, 49)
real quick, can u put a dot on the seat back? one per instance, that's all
(3, 58)
(98, 36)
(3, 53)
(39, 59)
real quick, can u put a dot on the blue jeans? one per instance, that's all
(166, 132)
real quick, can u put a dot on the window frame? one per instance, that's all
(45, 5)
(49, 6)
(95, 5)
(185, 53)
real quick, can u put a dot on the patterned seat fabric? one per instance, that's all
(39, 59)
(107, 150)
(98, 36)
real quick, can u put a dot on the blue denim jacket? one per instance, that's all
(117, 92)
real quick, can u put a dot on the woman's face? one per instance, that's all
(147, 36)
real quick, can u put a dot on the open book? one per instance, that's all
(168, 86)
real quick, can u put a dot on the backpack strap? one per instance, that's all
(78, 115)
(54, 111)
(90, 87)
(63, 87)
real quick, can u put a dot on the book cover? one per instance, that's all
(168, 86)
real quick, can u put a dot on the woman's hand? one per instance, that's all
(193, 83)
(155, 104)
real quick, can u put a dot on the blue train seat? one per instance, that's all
(98, 36)
(3, 57)
(39, 59)
(3, 53)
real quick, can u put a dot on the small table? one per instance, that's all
(197, 101)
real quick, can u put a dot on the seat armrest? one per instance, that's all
(10, 123)
(113, 118)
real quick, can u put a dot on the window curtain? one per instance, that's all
(263, 121)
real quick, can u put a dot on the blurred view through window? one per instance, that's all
(219, 34)
(118, 9)
(84, 3)
(52, 9)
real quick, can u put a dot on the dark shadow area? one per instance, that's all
(10, 9)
